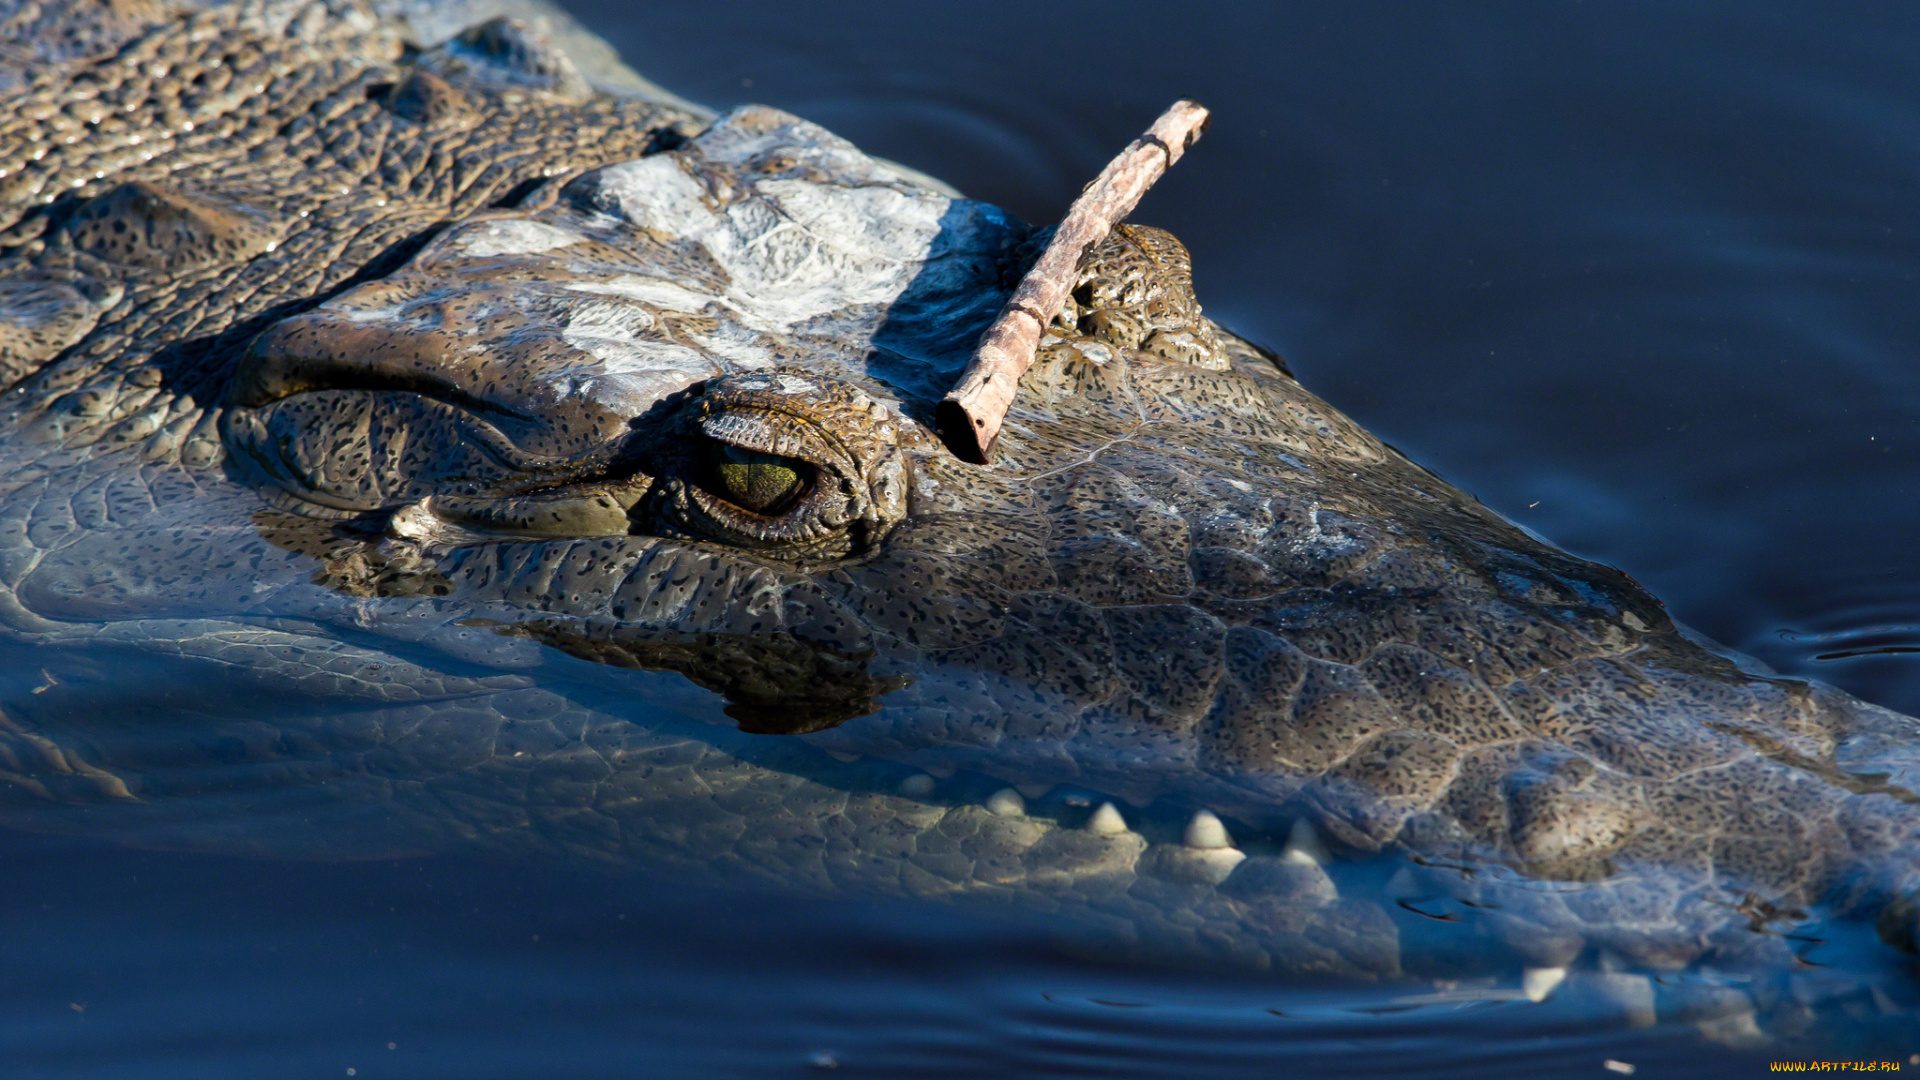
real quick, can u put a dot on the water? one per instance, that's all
(1641, 276)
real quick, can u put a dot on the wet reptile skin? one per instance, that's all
(424, 389)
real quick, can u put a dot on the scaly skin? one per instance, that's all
(478, 408)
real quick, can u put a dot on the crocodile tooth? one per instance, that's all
(843, 757)
(1628, 997)
(1107, 821)
(1738, 1031)
(1198, 866)
(1304, 846)
(1537, 983)
(918, 785)
(1032, 791)
(1886, 1004)
(1219, 861)
(1206, 832)
(1006, 803)
(1401, 885)
(941, 772)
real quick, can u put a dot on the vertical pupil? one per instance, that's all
(756, 481)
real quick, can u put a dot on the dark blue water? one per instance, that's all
(1642, 276)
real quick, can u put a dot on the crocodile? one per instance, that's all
(500, 452)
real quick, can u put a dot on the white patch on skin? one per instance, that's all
(795, 249)
(764, 241)
(630, 378)
(600, 321)
(632, 393)
(656, 291)
(1096, 352)
(634, 370)
(390, 313)
(513, 237)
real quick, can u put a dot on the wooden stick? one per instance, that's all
(968, 419)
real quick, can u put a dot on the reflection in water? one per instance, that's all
(575, 974)
(582, 806)
(775, 684)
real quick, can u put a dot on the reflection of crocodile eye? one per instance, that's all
(762, 483)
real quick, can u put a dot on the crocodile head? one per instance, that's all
(668, 410)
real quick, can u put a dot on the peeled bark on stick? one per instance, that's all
(968, 419)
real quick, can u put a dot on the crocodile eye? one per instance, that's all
(763, 483)
(792, 466)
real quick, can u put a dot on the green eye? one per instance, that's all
(762, 483)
